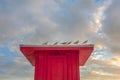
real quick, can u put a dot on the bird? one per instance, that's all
(76, 42)
(55, 43)
(85, 42)
(64, 43)
(45, 43)
(69, 42)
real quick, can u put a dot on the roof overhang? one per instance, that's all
(84, 51)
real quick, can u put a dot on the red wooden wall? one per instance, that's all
(57, 65)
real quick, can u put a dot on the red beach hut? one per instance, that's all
(57, 62)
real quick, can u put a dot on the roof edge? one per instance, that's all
(87, 45)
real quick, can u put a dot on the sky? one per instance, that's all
(37, 21)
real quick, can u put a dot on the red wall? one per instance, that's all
(57, 65)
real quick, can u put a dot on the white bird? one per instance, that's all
(85, 42)
(55, 43)
(76, 42)
(64, 43)
(45, 43)
(69, 42)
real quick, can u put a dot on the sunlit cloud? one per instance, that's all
(98, 16)
(115, 61)
(102, 73)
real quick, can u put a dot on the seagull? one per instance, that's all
(85, 42)
(45, 43)
(69, 42)
(55, 43)
(64, 43)
(76, 42)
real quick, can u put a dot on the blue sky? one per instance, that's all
(34, 22)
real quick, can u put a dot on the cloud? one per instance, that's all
(15, 67)
(111, 27)
(72, 19)
(36, 19)
(100, 69)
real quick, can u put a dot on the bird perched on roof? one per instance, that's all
(55, 43)
(76, 42)
(69, 42)
(45, 43)
(64, 43)
(85, 42)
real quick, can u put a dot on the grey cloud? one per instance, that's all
(15, 67)
(52, 20)
(61, 20)
(112, 26)
(69, 17)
